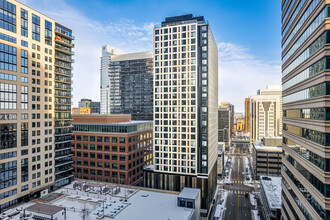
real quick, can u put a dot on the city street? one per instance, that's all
(238, 207)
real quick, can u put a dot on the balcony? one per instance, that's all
(62, 65)
(62, 34)
(71, 45)
(64, 59)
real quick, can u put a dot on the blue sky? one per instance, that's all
(247, 34)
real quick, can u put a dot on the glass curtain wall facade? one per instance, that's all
(63, 96)
(185, 107)
(131, 81)
(306, 133)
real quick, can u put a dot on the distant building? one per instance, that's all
(247, 115)
(131, 82)
(266, 113)
(231, 109)
(221, 158)
(267, 157)
(107, 52)
(111, 148)
(224, 125)
(270, 193)
(239, 125)
(88, 103)
(81, 111)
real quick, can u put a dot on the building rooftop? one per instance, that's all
(44, 208)
(189, 193)
(118, 123)
(260, 146)
(182, 19)
(132, 56)
(124, 203)
(272, 188)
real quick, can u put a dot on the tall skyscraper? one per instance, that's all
(306, 134)
(107, 52)
(247, 115)
(266, 113)
(35, 103)
(185, 107)
(63, 96)
(131, 85)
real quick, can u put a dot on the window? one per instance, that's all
(48, 32)
(8, 59)
(24, 22)
(8, 16)
(36, 28)
(8, 95)
(114, 140)
(24, 61)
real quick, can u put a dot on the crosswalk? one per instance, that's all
(238, 192)
(238, 182)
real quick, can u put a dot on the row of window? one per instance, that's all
(292, 17)
(315, 136)
(315, 46)
(312, 92)
(317, 160)
(311, 71)
(308, 113)
(317, 21)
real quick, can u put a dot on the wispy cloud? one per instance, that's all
(241, 74)
(90, 36)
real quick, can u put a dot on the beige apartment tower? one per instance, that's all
(185, 107)
(266, 113)
(28, 88)
(306, 109)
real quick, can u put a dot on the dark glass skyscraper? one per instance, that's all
(131, 82)
(306, 109)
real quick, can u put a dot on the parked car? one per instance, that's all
(246, 195)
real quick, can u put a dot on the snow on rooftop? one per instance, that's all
(189, 193)
(272, 188)
(260, 146)
(127, 203)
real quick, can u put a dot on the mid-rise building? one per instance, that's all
(131, 84)
(111, 148)
(231, 109)
(267, 157)
(270, 194)
(306, 128)
(35, 103)
(81, 111)
(247, 115)
(185, 107)
(107, 52)
(266, 113)
(92, 105)
(224, 125)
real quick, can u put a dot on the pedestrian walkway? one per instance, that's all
(238, 192)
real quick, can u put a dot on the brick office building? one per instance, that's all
(111, 148)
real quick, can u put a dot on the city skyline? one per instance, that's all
(254, 58)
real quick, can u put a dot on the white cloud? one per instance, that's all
(90, 35)
(241, 74)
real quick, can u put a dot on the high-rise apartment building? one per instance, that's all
(306, 134)
(107, 52)
(131, 85)
(63, 97)
(231, 109)
(266, 113)
(247, 115)
(35, 102)
(185, 107)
